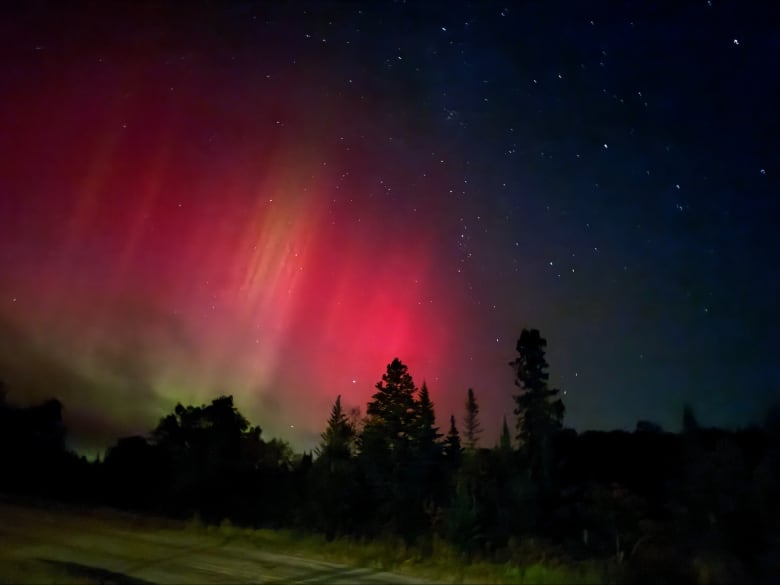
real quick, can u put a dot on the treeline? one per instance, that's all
(697, 505)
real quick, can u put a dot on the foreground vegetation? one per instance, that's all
(530, 563)
(442, 564)
(389, 490)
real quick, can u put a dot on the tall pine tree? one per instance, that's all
(538, 408)
(505, 443)
(427, 484)
(337, 440)
(392, 412)
(427, 433)
(388, 451)
(335, 491)
(452, 446)
(471, 426)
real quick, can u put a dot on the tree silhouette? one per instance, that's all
(384, 441)
(471, 426)
(32, 446)
(505, 442)
(337, 440)
(333, 478)
(211, 450)
(133, 470)
(539, 411)
(392, 410)
(427, 484)
(426, 434)
(663, 506)
(452, 447)
(388, 448)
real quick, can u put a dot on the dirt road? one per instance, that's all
(89, 547)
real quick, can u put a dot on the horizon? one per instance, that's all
(486, 431)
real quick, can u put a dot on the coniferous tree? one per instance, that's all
(392, 410)
(505, 442)
(426, 484)
(388, 448)
(452, 446)
(471, 426)
(539, 410)
(333, 483)
(337, 440)
(427, 434)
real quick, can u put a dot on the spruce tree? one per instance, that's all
(332, 477)
(505, 443)
(471, 426)
(426, 483)
(392, 410)
(389, 456)
(427, 434)
(538, 408)
(336, 441)
(452, 446)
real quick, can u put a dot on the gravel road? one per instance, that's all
(100, 549)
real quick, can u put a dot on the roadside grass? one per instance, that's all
(526, 562)
(436, 560)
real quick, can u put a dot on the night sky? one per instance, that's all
(274, 200)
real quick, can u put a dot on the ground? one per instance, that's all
(54, 544)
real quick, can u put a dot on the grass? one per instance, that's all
(442, 563)
(435, 559)
(522, 561)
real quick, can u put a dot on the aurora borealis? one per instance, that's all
(273, 200)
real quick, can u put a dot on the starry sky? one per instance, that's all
(275, 199)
